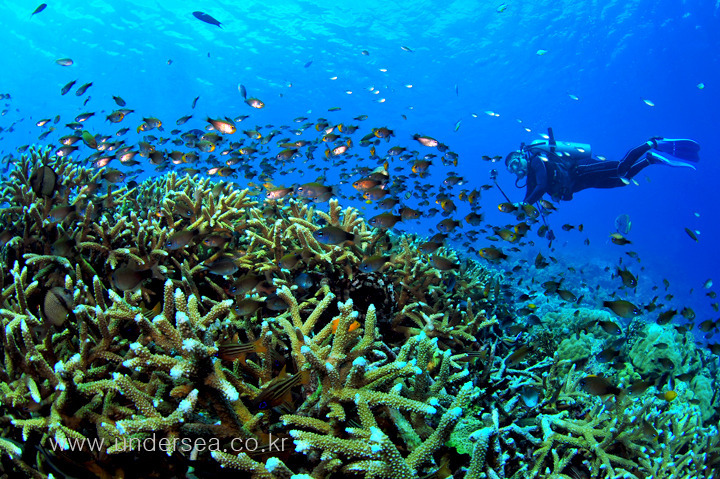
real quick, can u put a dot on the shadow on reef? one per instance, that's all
(178, 328)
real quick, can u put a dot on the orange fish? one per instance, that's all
(365, 184)
(352, 327)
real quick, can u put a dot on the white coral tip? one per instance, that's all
(376, 435)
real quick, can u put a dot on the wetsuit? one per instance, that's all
(562, 176)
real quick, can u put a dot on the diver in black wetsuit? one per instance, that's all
(561, 168)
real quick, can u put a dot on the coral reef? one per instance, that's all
(181, 328)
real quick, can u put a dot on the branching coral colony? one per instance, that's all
(180, 328)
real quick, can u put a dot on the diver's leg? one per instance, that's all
(638, 165)
(638, 158)
(597, 174)
(635, 160)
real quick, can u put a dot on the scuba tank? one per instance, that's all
(558, 149)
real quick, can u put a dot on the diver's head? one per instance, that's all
(516, 164)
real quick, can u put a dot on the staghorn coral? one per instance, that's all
(380, 457)
(124, 365)
(121, 318)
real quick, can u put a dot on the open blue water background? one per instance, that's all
(467, 58)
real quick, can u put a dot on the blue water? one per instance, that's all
(467, 59)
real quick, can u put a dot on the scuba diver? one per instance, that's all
(561, 168)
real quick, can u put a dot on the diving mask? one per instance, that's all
(516, 164)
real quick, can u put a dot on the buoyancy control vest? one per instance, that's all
(561, 160)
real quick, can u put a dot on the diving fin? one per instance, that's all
(657, 157)
(684, 150)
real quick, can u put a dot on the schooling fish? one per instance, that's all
(179, 239)
(649, 430)
(223, 126)
(624, 309)
(384, 220)
(216, 240)
(115, 117)
(304, 281)
(244, 285)
(314, 190)
(492, 254)
(275, 303)
(63, 246)
(430, 246)
(333, 235)
(375, 193)
(551, 286)
(67, 87)
(39, 9)
(666, 317)
(363, 184)
(599, 386)
(246, 307)
(275, 193)
(183, 120)
(628, 279)
(65, 150)
(688, 313)
(607, 355)
(409, 213)
(610, 327)
(128, 278)
(507, 207)
(119, 101)
(204, 17)
(426, 140)
(290, 260)
(374, 263)
(113, 176)
(59, 213)
(81, 91)
(443, 264)
(255, 103)
(474, 219)
(567, 295)
(448, 224)
(224, 266)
